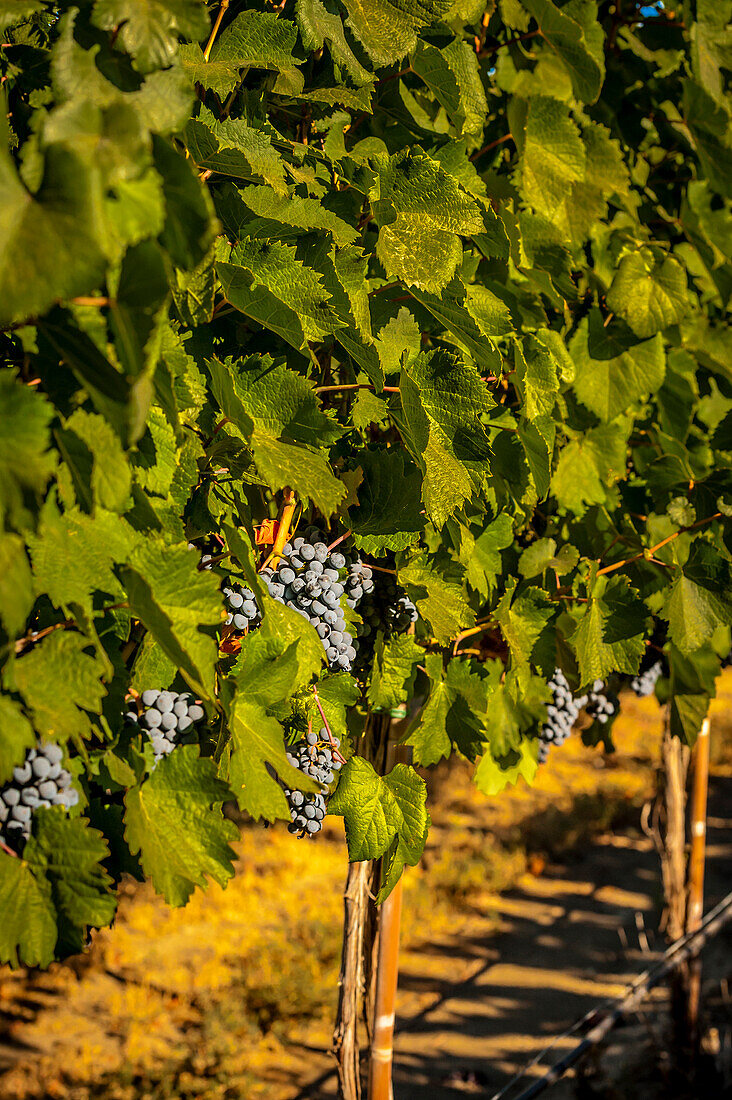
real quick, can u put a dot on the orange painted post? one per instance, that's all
(387, 975)
(387, 964)
(697, 858)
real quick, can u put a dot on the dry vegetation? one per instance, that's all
(226, 997)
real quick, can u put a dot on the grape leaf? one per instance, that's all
(440, 602)
(257, 753)
(394, 671)
(26, 464)
(443, 399)
(16, 736)
(610, 634)
(174, 820)
(373, 816)
(28, 931)
(16, 585)
(650, 295)
(177, 604)
(493, 774)
(608, 384)
(60, 683)
(388, 515)
(149, 29)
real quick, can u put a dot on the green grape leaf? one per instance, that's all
(440, 602)
(522, 619)
(65, 210)
(574, 34)
(648, 294)
(97, 462)
(373, 817)
(421, 209)
(536, 370)
(258, 750)
(453, 75)
(699, 599)
(692, 683)
(74, 578)
(16, 585)
(301, 213)
(318, 26)
(368, 409)
(443, 399)
(26, 463)
(70, 855)
(454, 715)
(388, 28)
(610, 636)
(279, 658)
(149, 29)
(233, 148)
(59, 683)
(28, 931)
(394, 671)
(266, 281)
(179, 605)
(388, 515)
(493, 774)
(173, 819)
(410, 792)
(612, 376)
(484, 563)
(16, 736)
(542, 555)
(589, 465)
(258, 40)
(280, 414)
(15, 11)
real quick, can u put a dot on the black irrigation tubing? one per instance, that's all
(613, 1011)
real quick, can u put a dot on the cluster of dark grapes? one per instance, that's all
(312, 756)
(311, 579)
(388, 609)
(242, 610)
(561, 714)
(644, 682)
(39, 781)
(168, 719)
(601, 703)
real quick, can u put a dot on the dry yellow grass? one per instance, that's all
(219, 996)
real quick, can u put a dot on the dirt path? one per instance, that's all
(474, 1009)
(571, 937)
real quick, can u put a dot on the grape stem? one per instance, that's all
(652, 550)
(339, 540)
(477, 629)
(215, 29)
(283, 528)
(356, 386)
(334, 750)
(8, 851)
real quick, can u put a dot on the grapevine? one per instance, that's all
(354, 365)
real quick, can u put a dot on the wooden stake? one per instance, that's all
(695, 907)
